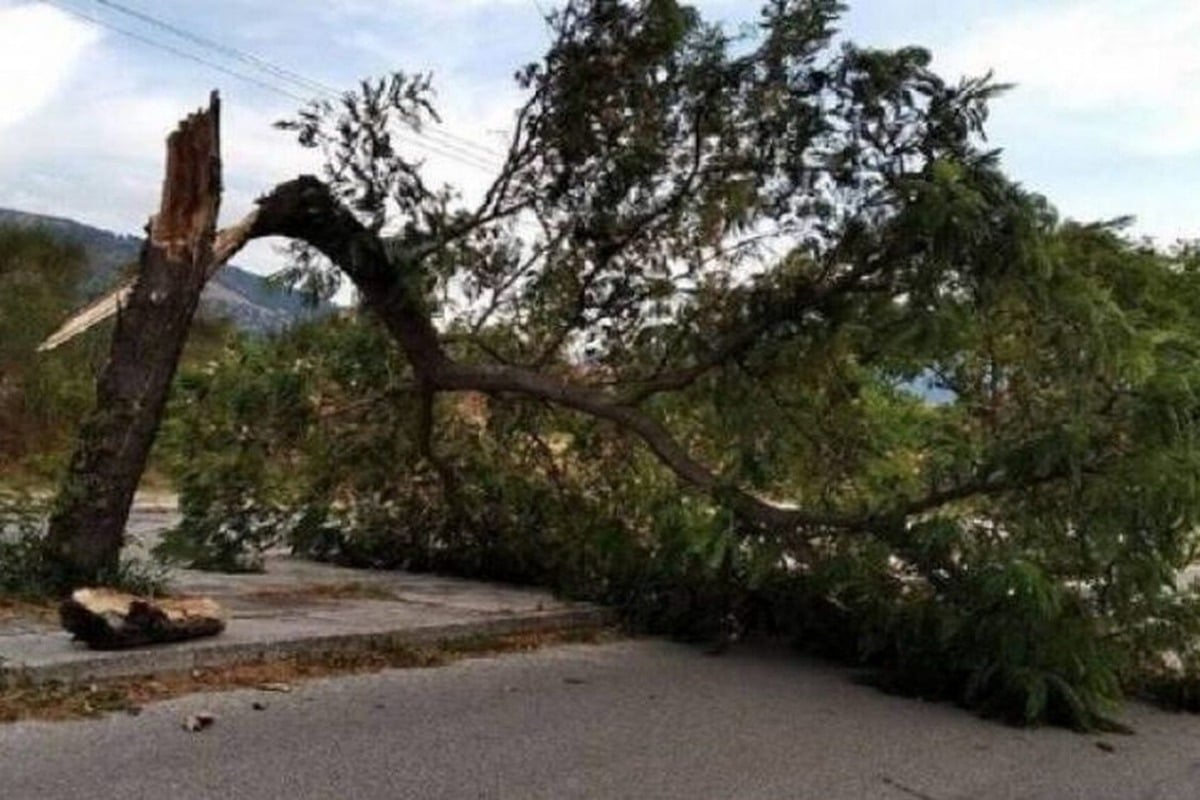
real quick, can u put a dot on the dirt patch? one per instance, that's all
(66, 702)
(350, 590)
(25, 610)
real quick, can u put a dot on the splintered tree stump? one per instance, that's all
(109, 620)
(87, 527)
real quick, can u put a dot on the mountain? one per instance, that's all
(248, 300)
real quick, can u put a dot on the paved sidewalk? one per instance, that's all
(299, 607)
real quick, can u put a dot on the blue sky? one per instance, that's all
(1105, 119)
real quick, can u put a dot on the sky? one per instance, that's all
(1104, 117)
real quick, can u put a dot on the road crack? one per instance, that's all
(908, 790)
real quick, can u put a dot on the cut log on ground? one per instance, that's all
(109, 620)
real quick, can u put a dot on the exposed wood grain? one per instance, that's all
(108, 620)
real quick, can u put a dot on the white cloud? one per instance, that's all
(1103, 84)
(102, 162)
(1133, 61)
(429, 7)
(39, 49)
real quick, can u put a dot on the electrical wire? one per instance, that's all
(428, 144)
(448, 150)
(282, 73)
(542, 12)
(249, 58)
(173, 50)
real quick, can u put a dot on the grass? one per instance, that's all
(56, 701)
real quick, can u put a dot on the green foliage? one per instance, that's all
(42, 396)
(310, 439)
(24, 568)
(1001, 637)
(760, 244)
(249, 408)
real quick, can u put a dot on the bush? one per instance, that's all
(1047, 605)
(27, 570)
(1002, 639)
(221, 530)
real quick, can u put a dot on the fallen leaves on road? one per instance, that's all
(58, 702)
(349, 590)
(274, 687)
(198, 722)
(12, 608)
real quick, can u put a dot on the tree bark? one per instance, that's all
(88, 523)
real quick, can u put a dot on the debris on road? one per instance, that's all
(105, 619)
(198, 722)
(275, 687)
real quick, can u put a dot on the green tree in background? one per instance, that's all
(42, 396)
(45, 395)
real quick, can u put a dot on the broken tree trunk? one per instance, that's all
(88, 523)
(108, 620)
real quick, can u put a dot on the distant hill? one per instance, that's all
(246, 299)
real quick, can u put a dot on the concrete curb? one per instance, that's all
(85, 666)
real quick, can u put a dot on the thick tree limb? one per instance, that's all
(305, 209)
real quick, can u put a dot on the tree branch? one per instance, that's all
(805, 297)
(304, 209)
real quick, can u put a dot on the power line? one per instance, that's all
(279, 72)
(173, 50)
(429, 144)
(249, 58)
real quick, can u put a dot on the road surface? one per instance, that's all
(639, 719)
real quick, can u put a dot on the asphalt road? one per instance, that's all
(636, 719)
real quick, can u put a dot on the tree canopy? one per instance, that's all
(758, 222)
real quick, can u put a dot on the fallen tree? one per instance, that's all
(747, 255)
(616, 231)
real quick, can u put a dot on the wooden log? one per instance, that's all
(109, 620)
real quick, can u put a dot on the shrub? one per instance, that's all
(1043, 606)
(28, 572)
